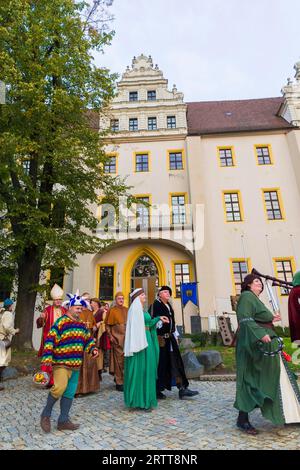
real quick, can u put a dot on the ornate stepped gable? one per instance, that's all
(141, 79)
(290, 108)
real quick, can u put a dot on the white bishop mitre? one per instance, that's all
(56, 292)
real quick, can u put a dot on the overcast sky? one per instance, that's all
(211, 49)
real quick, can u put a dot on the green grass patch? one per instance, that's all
(228, 355)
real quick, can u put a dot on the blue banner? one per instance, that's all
(189, 292)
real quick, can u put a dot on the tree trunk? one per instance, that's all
(29, 267)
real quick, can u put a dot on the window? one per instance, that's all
(152, 124)
(107, 216)
(171, 122)
(232, 206)
(133, 124)
(226, 156)
(133, 96)
(178, 209)
(114, 125)
(26, 166)
(106, 282)
(284, 271)
(182, 273)
(272, 204)
(239, 270)
(175, 161)
(151, 95)
(110, 165)
(263, 154)
(141, 162)
(142, 213)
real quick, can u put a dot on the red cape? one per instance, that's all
(49, 320)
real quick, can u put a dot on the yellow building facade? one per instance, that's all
(221, 183)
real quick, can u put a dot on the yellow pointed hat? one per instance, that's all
(56, 292)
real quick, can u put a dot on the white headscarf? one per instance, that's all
(135, 337)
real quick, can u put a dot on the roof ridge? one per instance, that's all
(237, 101)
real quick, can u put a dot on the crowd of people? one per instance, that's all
(83, 337)
(141, 352)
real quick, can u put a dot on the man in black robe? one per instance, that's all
(170, 366)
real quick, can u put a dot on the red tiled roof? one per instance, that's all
(213, 117)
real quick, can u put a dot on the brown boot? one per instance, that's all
(45, 423)
(67, 426)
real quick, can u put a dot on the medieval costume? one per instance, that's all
(7, 331)
(116, 326)
(264, 379)
(170, 367)
(88, 378)
(65, 344)
(49, 316)
(294, 309)
(102, 340)
(141, 352)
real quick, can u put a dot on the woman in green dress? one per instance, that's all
(264, 379)
(141, 353)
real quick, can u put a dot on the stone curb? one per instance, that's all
(218, 378)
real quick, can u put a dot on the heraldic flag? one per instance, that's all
(189, 292)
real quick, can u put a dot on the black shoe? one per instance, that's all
(160, 396)
(247, 428)
(186, 392)
(119, 388)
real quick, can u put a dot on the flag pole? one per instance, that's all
(182, 312)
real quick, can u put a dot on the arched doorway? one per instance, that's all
(140, 252)
(145, 274)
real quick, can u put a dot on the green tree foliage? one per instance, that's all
(51, 156)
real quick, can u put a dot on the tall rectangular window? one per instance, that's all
(133, 124)
(182, 275)
(114, 125)
(175, 161)
(171, 122)
(272, 204)
(151, 95)
(232, 206)
(142, 213)
(110, 165)
(284, 271)
(106, 282)
(178, 209)
(107, 216)
(226, 157)
(152, 126)
(141, 162)
(239, 270)
(26, 166)
(133, 96)
(263, 155)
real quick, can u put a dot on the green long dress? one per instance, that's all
(140, 371)
(258, 375)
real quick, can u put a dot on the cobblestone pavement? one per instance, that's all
(204, 422)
